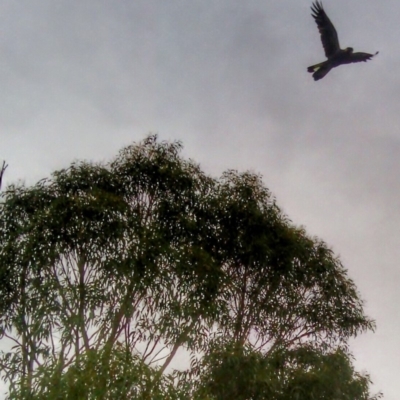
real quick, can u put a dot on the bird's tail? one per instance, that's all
(316, 67)
(319, 70)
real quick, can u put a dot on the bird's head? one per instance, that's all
(349, 50)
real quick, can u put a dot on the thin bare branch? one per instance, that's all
(3, 168)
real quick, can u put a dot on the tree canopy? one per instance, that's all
(109, 269)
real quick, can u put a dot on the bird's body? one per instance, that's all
(330, 41)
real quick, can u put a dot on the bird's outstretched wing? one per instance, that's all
(359, 57)
(329, 36)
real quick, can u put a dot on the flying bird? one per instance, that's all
(330, 41)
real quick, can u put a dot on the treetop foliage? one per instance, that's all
(146, 255)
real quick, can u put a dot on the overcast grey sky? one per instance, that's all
(80, 80)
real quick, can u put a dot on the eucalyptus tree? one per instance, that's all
(132, 260)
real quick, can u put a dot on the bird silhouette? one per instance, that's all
(330, 41)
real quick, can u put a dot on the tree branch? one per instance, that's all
(3, 168)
